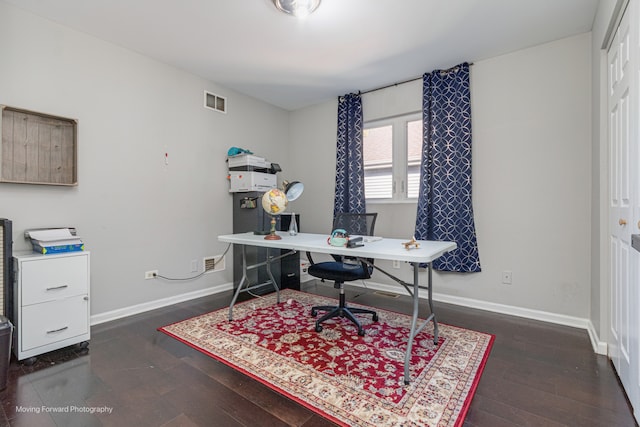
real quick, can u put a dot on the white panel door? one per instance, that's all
(634, 225)
(623, 345)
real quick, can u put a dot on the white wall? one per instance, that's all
(532, 176)
(134, 212)
(532, 166)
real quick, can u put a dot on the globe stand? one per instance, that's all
(272, 235)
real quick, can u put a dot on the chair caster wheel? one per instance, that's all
(314, 313)
(361, 332)
(375, 317)
(318, 328)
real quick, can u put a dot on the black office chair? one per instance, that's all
(345, 269)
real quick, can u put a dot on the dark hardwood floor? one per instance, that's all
(538, 374)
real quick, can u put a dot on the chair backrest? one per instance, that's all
(356, 224)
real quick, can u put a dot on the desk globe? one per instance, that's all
(274, 202)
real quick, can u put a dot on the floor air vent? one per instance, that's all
(386, 294)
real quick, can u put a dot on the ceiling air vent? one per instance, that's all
(215, 102)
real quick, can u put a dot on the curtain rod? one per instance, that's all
(408, 81)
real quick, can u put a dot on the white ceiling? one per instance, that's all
(345, 46)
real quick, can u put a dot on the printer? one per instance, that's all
(248, 172)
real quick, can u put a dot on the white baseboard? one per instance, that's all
(599, 347)
(159, 303)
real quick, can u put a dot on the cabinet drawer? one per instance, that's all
(48, 279)
(54, 321)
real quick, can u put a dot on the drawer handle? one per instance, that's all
(291, 275)
(57, 287)
(57, 330)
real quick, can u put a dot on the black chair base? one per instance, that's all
(342, 311)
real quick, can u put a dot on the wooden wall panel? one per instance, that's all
(38, 148)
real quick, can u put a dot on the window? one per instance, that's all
(392, 154)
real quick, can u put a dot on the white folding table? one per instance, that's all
(387, 249)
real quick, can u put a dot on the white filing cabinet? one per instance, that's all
(51, 302)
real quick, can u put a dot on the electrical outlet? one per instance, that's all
(506, 277)
(152, 274)
(194, 265)
(396, 264)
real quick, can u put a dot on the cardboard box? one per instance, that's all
(251, 181)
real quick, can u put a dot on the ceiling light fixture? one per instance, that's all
(297, 8)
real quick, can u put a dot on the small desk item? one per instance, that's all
(412, 242)
(355, 242)
(387, 249)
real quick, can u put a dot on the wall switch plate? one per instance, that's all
(396, 264)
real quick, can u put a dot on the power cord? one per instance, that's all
(254, 295)
(160, 276)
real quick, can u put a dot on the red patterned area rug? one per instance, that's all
(349, 379)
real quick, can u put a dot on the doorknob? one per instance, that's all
(622, 221)
(639, 225)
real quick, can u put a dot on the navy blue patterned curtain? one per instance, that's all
(444, 204)
(349, 196)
